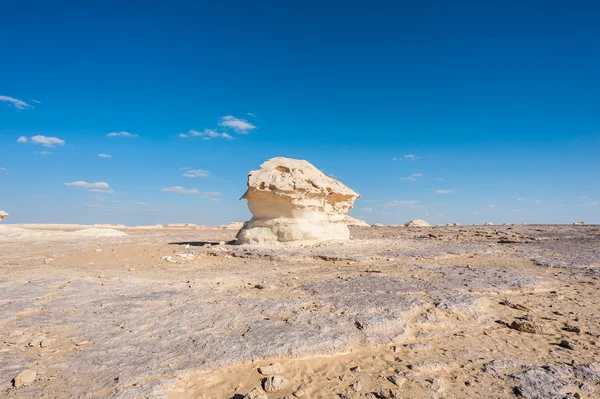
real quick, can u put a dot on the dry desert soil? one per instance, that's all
(181, 313)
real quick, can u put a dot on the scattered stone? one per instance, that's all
(417, 223)
(387, 394)
(416, 346)
(515, 305)
(377, 225)
(291, 200)
(526, 326)
(572, 328)
(274, 383)
(356, 387)
(436, 385)
(256, 393)
(397, 380)
(344, 377)
(355, 369)
(567, 344)
(428, 366)
(82, 343)
(298, 393)
(24, 378)
(169, 259)
(184, 256)
(271, 369)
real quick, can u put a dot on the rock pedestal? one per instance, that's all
(291, 200)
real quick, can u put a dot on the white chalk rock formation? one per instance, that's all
(488, 224)
(417, 223)
(352, 221)
(291, 200)
(579, 224)
(3, 215)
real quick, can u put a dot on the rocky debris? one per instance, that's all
(572, 328)
(184, 256)
(497, 365)
(526, 326)
(579, 223)
(274, 383)
(233, 225)
(397, 380)
(436, 384)
(488, 224)
(256, 393)
(271, 369)
(352, 221)
(386, 394)
(298, 393)
(3, 215)
(428, 366)
(377, 225)
(567, 345)
(356, 387)
(417, 223)
(24, 378)
(517, 306)
(355, 369)
(539, 383)
(416, 346)
(169, 259)
(291, 200)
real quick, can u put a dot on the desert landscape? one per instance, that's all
(301, 301)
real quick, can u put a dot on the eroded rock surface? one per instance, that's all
(3, 215)
(291, 200)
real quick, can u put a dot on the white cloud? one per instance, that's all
(122, 134)
(410, 156)
(84, 184)
(207, 134)
(368, 210)
(180, 190)
(99, 198)
(520, 199)
(182, 135)
(593, 203)
(413, 177)
(50, 142)
(238, 125)
(401, 203)
(43, 152)
(446, 191)
(2, 169)
(104, 156)
(141, 203)
(538, 201)
(250, 114)
(36, 101)
(196, 173)
(18, 104)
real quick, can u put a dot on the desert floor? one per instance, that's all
(393, 313)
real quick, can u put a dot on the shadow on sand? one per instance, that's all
(201, 243)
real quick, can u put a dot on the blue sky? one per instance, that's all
(447, 111)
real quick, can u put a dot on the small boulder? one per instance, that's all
(256, 393)
(271, 369)
(526, 326)
(275, 383)
(24, 378)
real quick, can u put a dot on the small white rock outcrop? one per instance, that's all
(291, 200)
(579, 224)
(488, 224)
(352, 221)
(3, 215)
(417, 223)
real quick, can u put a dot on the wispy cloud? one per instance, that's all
(401, 203)
(104, 156)
(207, 134)
(368, 210)
(211, 195)
(98, 187)
(180, 190)
(238, 125)
(18, 104)
(491, 205)
(412, 177)
(409, 157)
(196, 173)
(36, 101)
(445, 191)
(49, 142)
(593, 203)
(182, 135)
(520, 199)
(43, 152)
(122, 134)
(250, 114)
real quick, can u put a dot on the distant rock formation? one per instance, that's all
(579, 224)
(377, 225)
(291, 200)
(417, 223)
(3, 215)
(180, 225)
(352, 221)
(488, 224)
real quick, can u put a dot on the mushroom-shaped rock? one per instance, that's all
(291, 200)
(417, 223)
(3, 215)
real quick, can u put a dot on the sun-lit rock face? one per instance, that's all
(3, 215)
(291, 200)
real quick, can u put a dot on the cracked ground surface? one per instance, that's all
(428, 305)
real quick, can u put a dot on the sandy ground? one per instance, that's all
(394, 313)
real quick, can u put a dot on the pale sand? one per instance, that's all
(200, 327)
